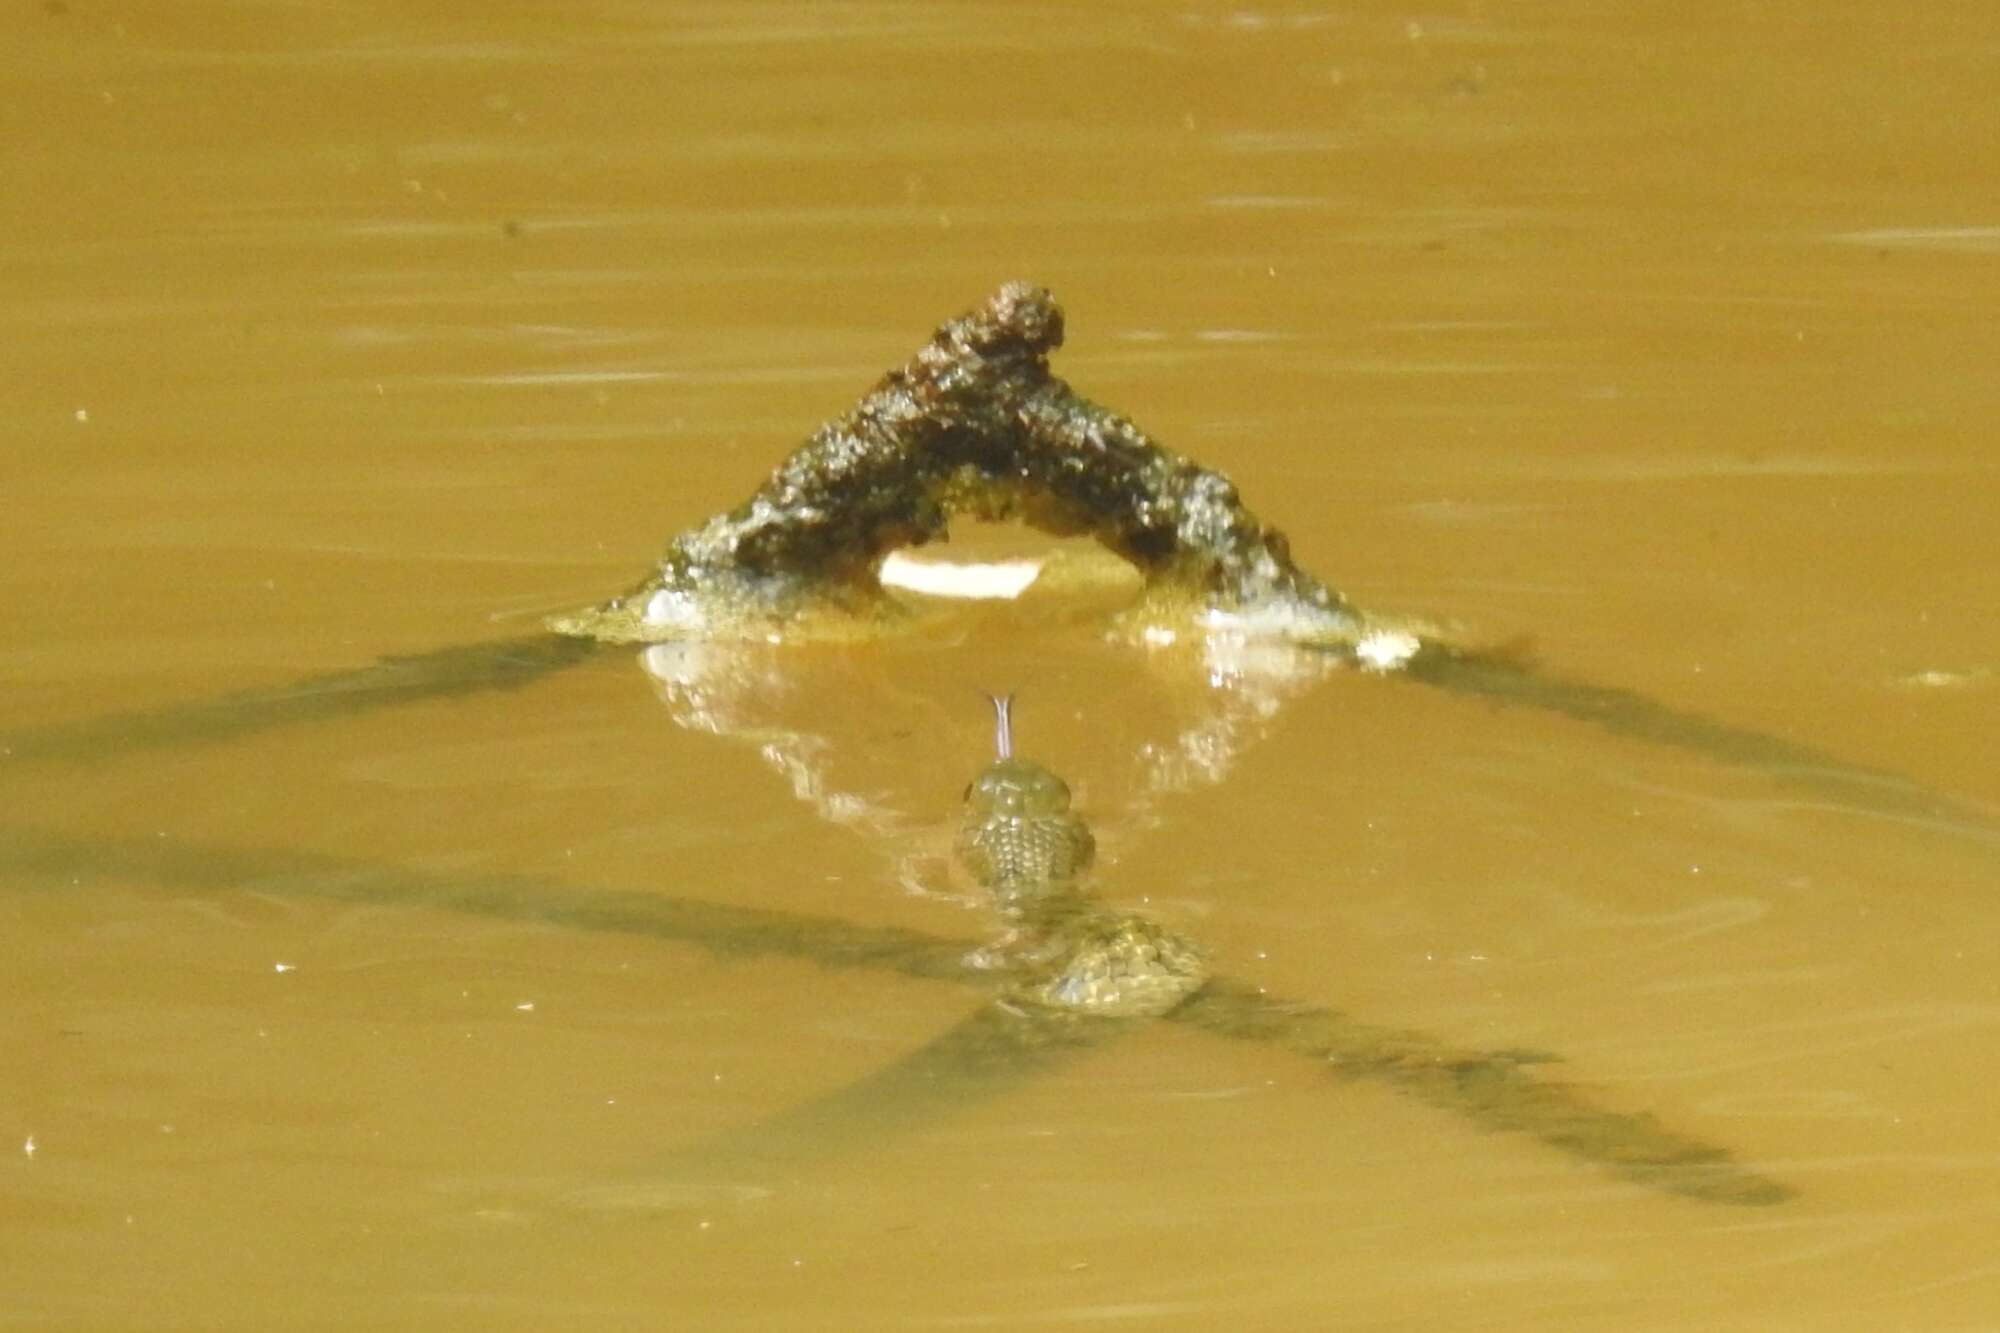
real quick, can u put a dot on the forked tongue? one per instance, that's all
(1003, 725)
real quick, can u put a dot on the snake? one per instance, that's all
(1028, 850)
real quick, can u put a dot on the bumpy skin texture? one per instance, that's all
(976, 425)
(1027, 848)
(1020, 839)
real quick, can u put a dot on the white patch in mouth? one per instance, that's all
(995, 580)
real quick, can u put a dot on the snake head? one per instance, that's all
(1020, 839)
(1013, 788)
(1016, 789)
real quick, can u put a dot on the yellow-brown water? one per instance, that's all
(1660, 339)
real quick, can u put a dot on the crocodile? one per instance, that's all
(1028, 449)
(976, 425)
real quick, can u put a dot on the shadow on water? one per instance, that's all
(388, 682)
(990, 1052)
(995, 1048)
(1621, 712)
(514, 664)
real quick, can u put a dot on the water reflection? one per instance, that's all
(1226, 692)
(1220, 695)
(1232, 691)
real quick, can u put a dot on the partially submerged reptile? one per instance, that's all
(976, 425)
(1028, 850)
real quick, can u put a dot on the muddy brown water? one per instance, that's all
(1655, 341)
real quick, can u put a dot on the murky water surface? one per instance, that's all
(1653, 341)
